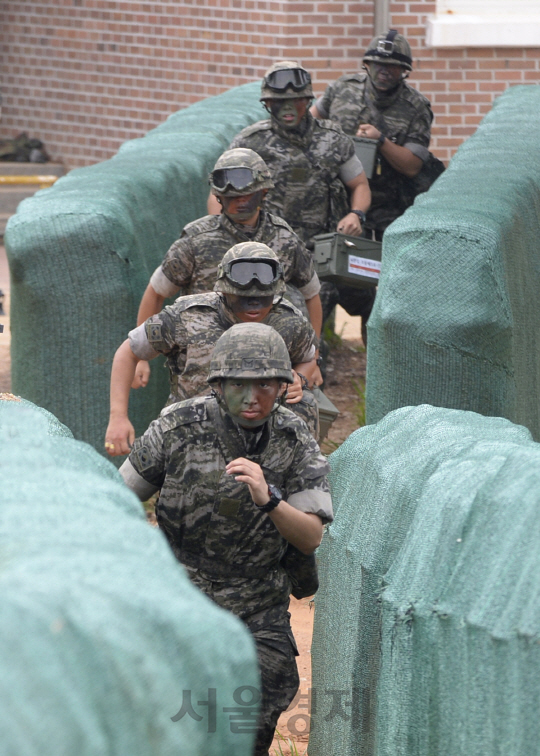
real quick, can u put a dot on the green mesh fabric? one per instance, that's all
(456, 322)
(82, 252)
(101, 629)
(427, 618)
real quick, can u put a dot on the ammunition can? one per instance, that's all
(327, 412)
(348, 260)
(366, 151)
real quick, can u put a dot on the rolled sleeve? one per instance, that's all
(351, 169)
(418, 150)
(179, 263)
(313, 502)
(140, 346)
(163, 285)
(135, 482)
(312, 288)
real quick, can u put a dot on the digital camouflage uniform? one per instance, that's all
(231, 549)
(403, 115)
(191, 262)
(187, 331)
(309, 170)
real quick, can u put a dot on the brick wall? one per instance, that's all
(85, 75)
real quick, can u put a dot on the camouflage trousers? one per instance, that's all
(279, 683)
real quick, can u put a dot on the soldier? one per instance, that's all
(239, 181)
(311, 161)
(379, 104)
(250, 280)
(240, 478)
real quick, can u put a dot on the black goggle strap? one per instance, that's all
(238, 178)
(296, 78)
(242, 272)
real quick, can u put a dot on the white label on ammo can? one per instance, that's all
(363, 267)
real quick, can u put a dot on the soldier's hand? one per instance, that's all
(294, 390)
(367, 131)
(251, 473)
(119, 437)
(350, 224)
(142, 375)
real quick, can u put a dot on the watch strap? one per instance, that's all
(361, 214)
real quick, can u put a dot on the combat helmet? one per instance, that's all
(239, 172)
(286, 80)
(251, 351)
(250, 269)
(391, 48)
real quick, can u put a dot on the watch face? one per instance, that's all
(274, 491)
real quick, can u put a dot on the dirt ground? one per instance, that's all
(345, 379)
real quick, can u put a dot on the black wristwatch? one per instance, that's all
(381, 140)
(275, 498)
(361, 214)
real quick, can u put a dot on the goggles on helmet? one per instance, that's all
(243, 272)
(237, 178)
(297, 78)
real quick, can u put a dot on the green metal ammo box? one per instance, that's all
(366, 151)
(327, 412)
(348, 260)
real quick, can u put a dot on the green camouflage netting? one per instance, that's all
(81, 254)
(427, 621)
(104, 638)
(456, 322)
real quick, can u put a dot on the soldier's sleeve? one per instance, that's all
(163, 333)
(324, 103)
(302, 267)
(238, 141)
(419, 134)
(179, 264)
(307, 484)
(144, 469)
(302, 341)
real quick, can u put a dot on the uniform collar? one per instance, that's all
(238, 231)
(382, 100)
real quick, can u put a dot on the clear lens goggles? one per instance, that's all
(237, 178)
(244, 272)
(297, 78)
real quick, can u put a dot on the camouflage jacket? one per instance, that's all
(231, 549)
(404, 116)
(187, 331)
(306, 171)
(191, 262)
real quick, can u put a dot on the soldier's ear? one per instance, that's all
(282, 391)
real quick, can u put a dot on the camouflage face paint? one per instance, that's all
(385, 76)
(242, 209)
(250, 309)
(250, 402)
(288, 113)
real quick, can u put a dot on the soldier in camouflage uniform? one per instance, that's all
(239, 181)
(240, 478)
(379, 104)
(311, 161)
(187, 331)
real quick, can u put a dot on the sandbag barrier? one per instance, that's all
(456, 322)
(427, 621)
(81, 254)
(107, 646)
